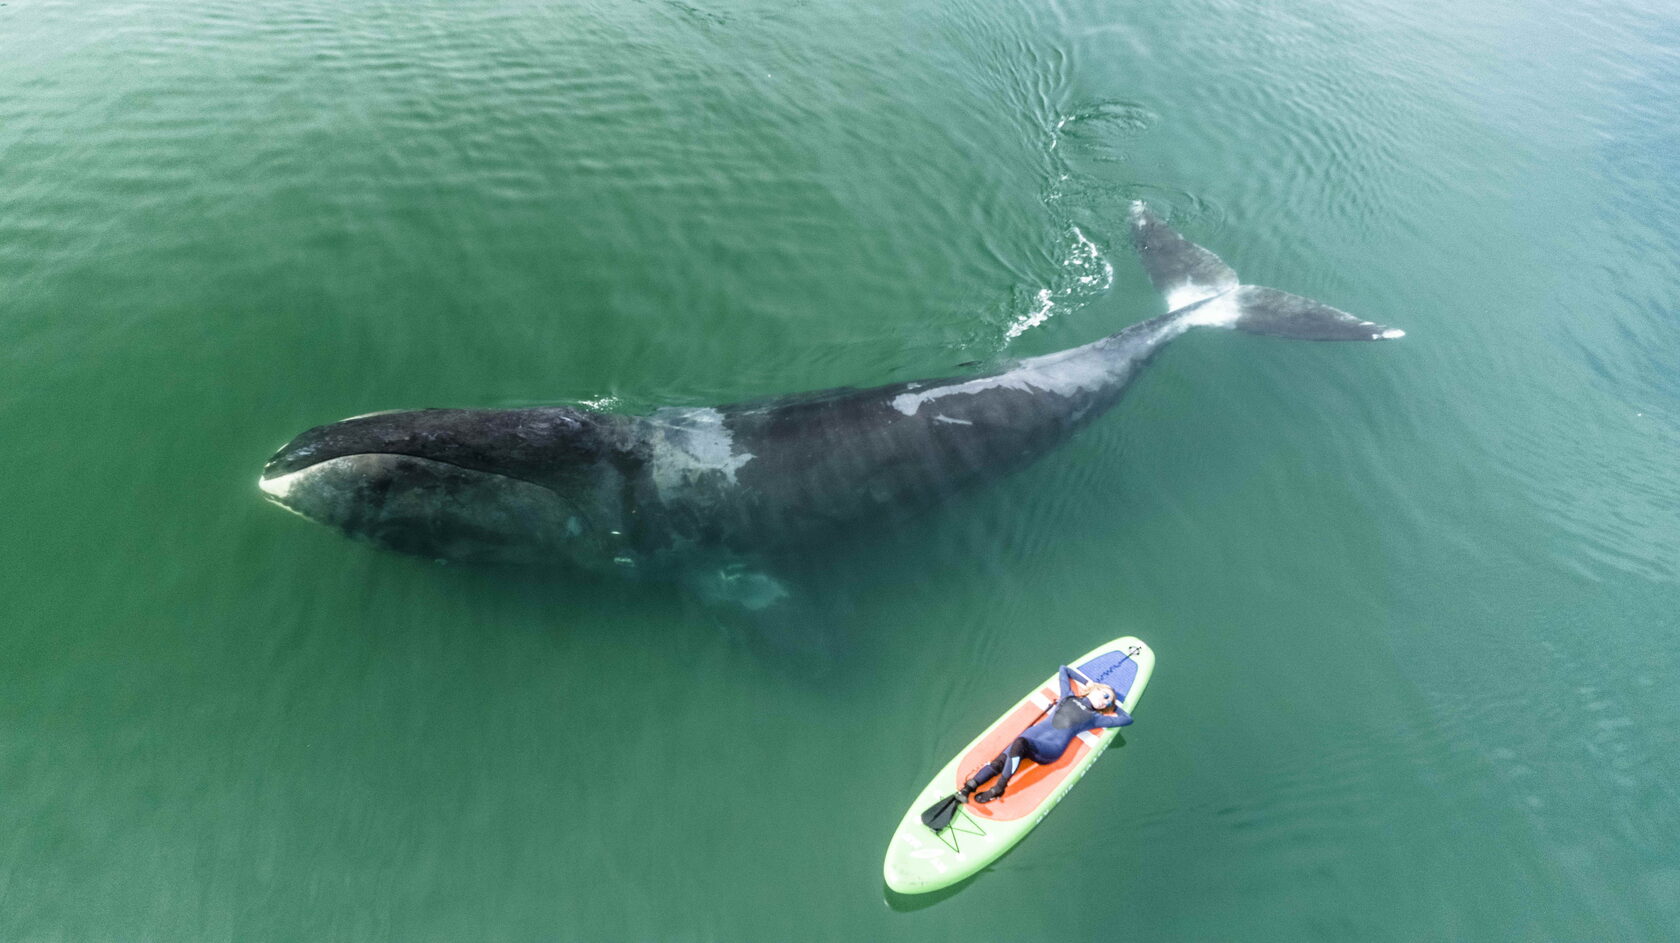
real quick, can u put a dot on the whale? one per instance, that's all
(708, 495)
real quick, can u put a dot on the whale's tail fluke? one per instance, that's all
(1205, 290)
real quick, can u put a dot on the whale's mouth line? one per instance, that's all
(269, 484)
(276, 489)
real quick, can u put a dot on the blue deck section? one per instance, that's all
(1115, 669)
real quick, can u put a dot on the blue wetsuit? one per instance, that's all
(1047, 740)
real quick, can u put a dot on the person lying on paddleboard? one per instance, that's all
(1046, 741)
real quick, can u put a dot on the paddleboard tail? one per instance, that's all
(1204, 292)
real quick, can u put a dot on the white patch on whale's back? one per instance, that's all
(957, 422)
(690, 444)
(1079, 370)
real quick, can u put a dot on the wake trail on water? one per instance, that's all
(1085, 144)
(1085, 273)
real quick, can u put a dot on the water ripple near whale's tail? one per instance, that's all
(1084, 274)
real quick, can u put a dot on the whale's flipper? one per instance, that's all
(1205, 291)
(734, 583)
(778, 611)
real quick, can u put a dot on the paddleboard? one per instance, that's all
(920, 860)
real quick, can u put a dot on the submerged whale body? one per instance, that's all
(705, 493)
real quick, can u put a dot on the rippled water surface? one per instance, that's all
(1414, 603)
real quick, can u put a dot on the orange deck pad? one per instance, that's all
(1032, 783)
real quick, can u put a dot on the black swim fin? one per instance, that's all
(939, 815)
(1204, 291)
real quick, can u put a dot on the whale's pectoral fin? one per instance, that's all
(737, 584)
(1183, 272)
(1204, 291)
(786, 616)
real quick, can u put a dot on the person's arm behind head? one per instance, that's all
(1117, 719)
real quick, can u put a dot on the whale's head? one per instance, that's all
(514, 485)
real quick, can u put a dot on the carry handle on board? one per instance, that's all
(939, 815)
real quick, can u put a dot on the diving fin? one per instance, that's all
(939, 815)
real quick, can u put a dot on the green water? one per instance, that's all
(1414, 603)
